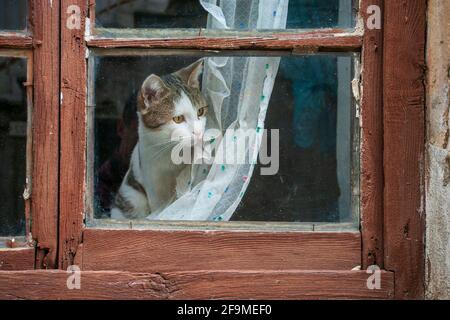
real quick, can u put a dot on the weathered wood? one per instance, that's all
(45, 120)
(73, 142)
(309, 41)
(15, 41)
(149, 251)
(281, 285)
(73, 134)
(372, 142)
(158, 251)
(404, 137)
(17, 259)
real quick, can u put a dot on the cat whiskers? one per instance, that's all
(163, 143)
(158, 149)
(171, 141)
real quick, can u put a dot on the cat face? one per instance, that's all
(172, 106)
(188, 123)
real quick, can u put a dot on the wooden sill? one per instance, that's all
(262, 285)
(169, 250)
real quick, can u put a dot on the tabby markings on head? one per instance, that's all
(159, 95)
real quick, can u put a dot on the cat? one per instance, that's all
(167, 106)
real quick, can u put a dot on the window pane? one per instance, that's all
(221, 14)
(304, 102)
(13, 14)
(13, 139)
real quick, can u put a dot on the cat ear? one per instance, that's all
(152, 89)
(191, 74)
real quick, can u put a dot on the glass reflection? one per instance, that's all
(225, 14)
(309, 103)
(13, 15)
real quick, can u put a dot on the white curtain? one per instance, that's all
(238, 90)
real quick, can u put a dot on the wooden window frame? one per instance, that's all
(40, 45)
(249, 264)
(385, 209)
(226, 250)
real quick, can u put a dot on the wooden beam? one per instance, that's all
(404, 144)
(73, 133)
(261, 285)
(17, 259)
(159, 251)
(328, 40)
(45, 132)
(372, 142)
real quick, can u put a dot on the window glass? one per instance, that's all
(13, 14)
(280, 131)
(13, 139)
(225, 14)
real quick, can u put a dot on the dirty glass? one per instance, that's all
(13, 139)
(307, 99)
(13, 15)
(236, 14)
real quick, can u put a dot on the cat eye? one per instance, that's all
(202, 111)
(178, 119)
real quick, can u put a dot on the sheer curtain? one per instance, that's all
(238, 90)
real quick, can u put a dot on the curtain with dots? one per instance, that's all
(238, 90)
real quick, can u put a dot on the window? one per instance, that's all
(311, 161)
(259, 65)
(131, 41)
(13, 143)
(306, 100)
(29, 129)
(194, 14)
(13, 16)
